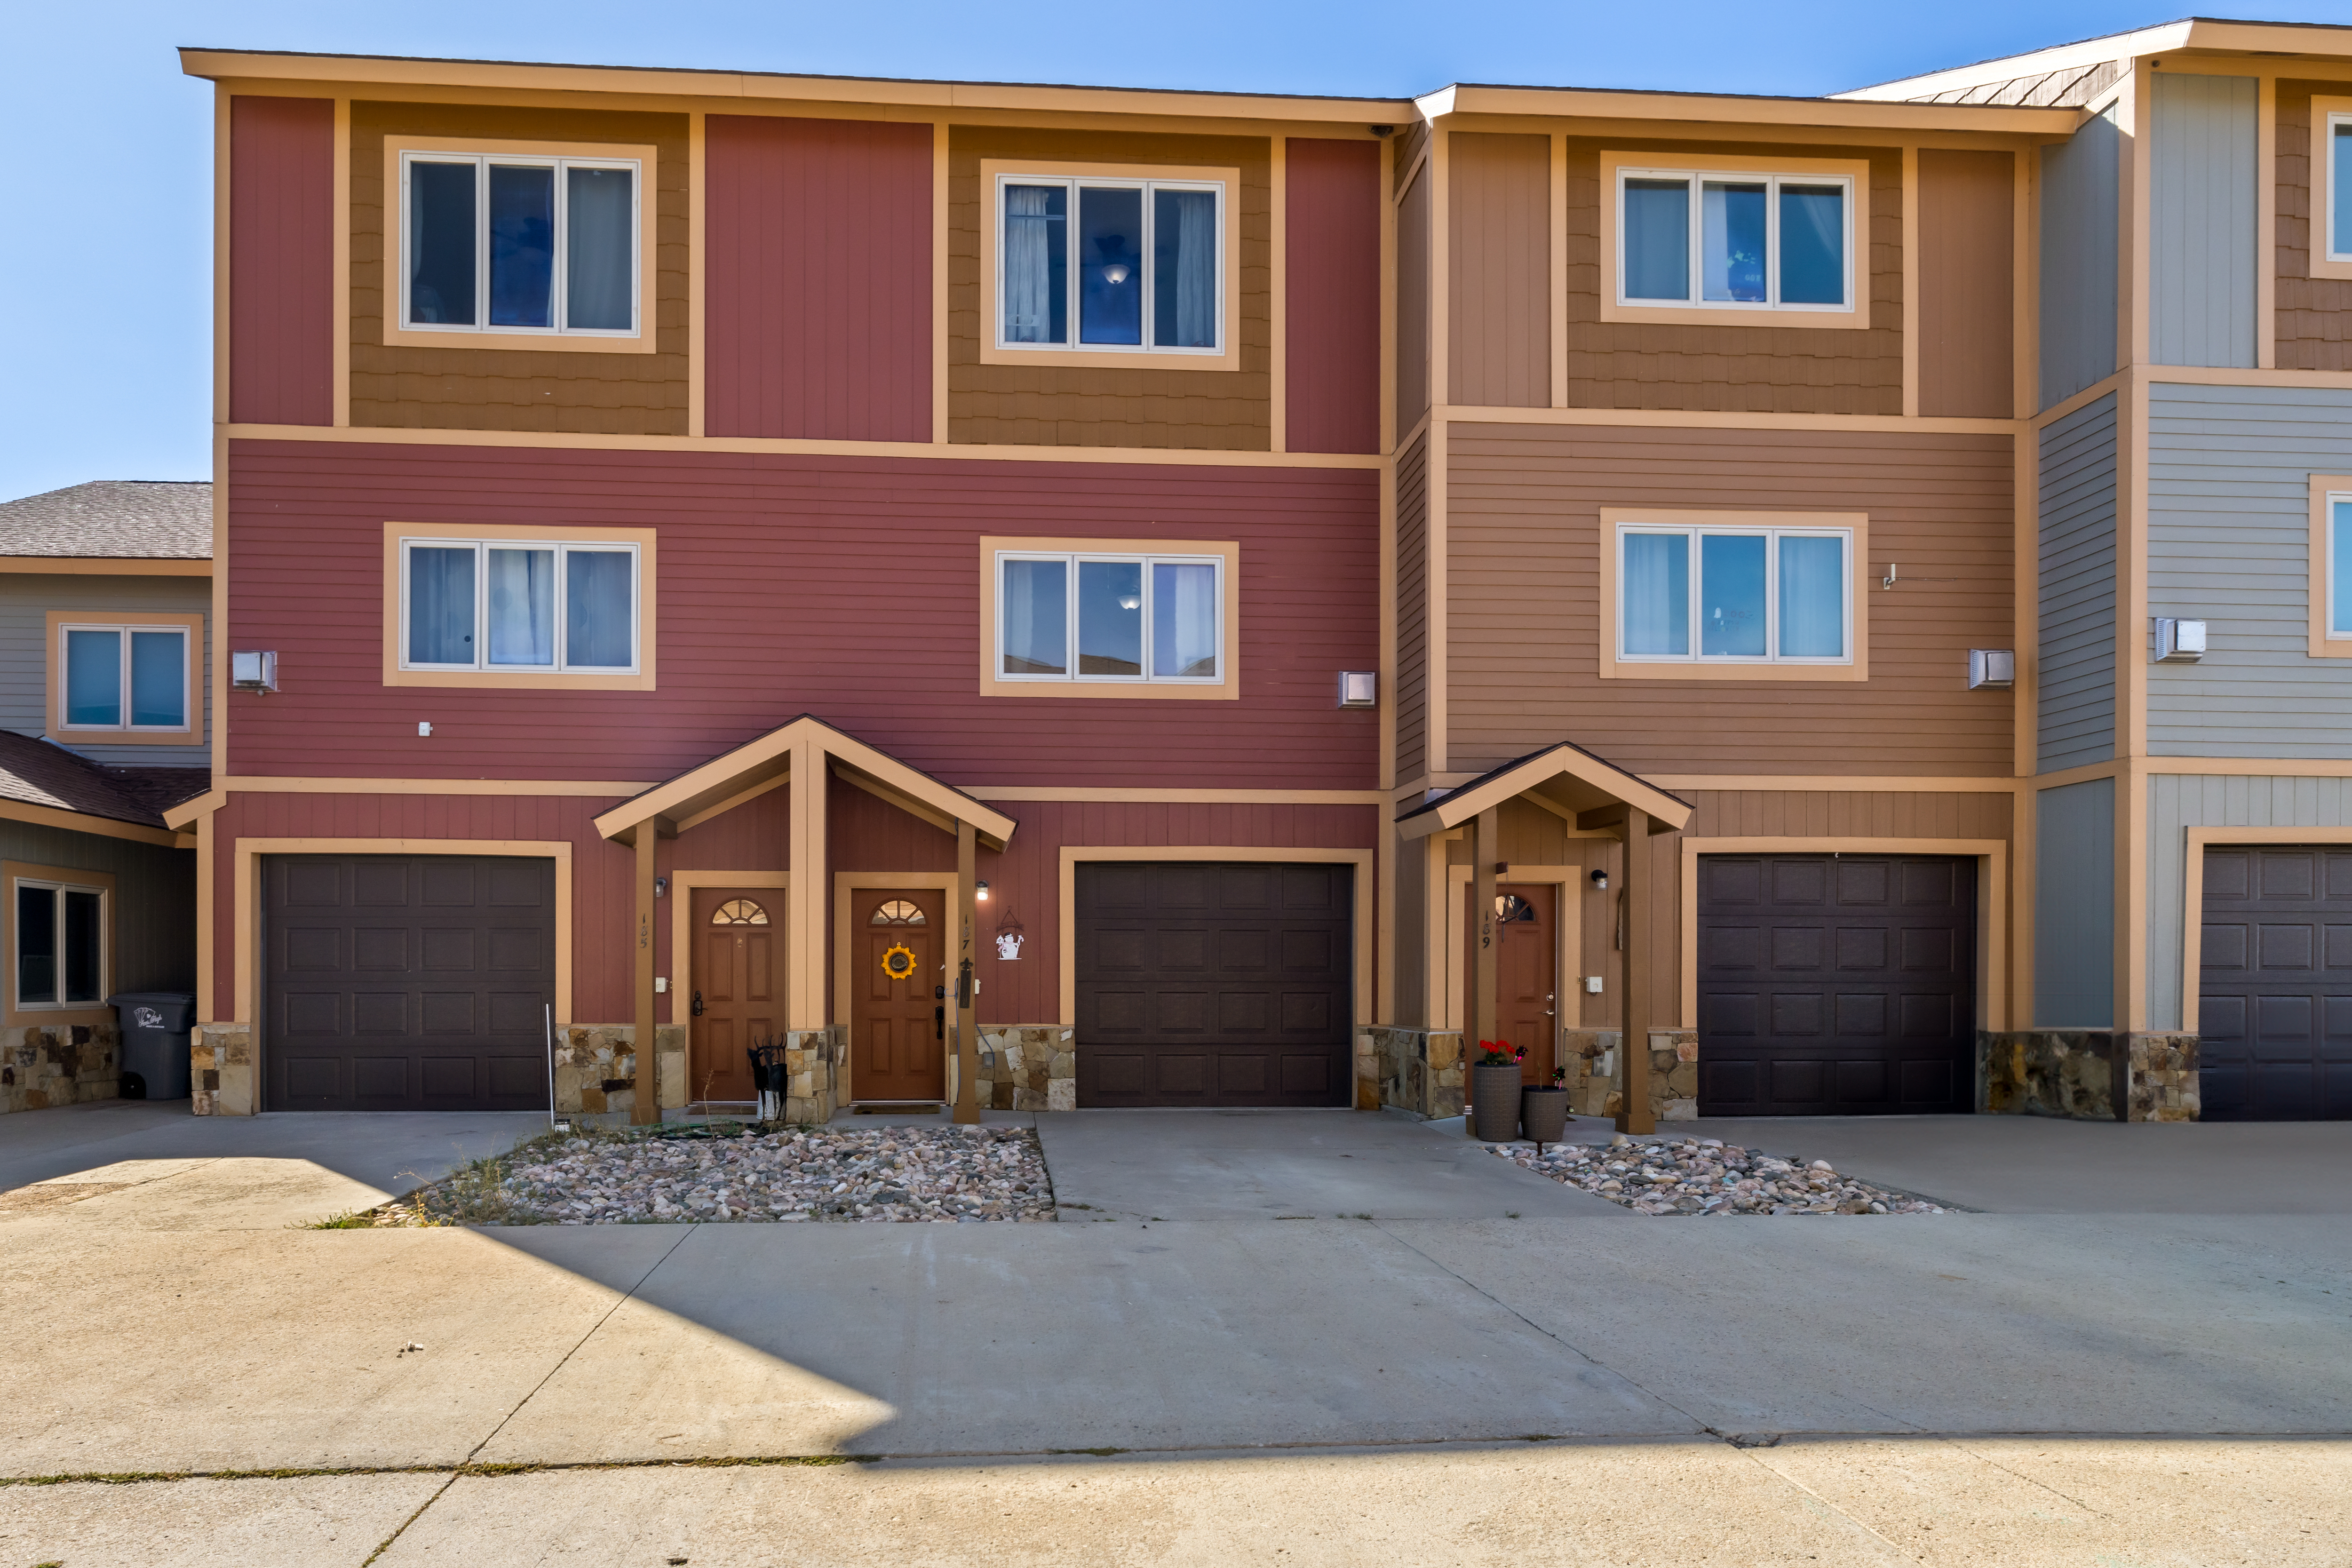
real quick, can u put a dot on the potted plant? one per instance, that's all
(1543, 1107)
(1495, 1092)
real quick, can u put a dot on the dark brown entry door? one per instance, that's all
(1205, 983)
(1836, 984)
(1527, 962)
(736, 1001)
(2274, 990)
(899, 1033)
(406, 982)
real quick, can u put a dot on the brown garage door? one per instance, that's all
(2274, 993)
(1836, 984)
(406, 982)
(1203, 982)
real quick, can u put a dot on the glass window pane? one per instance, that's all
(601, 238)
(2340, 174)
(84, 945)
(1110, 617)
(1657, 594)
(1731, 240)
(36, 944)
(1184, 270)
(522, 246)
(1110, 263)
(159, 679)
(1036, 618)
(440, 604)
(1036, 264)
(599, 621)
(1184, 620)
(94, 679)
(1731, 595)
(1657, 240)
(2340, 569)
(1813, 245)
(522, 606)
(1813, 597)
(441, 243)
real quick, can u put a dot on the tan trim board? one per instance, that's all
(2322, 646)
(34, 815)
(1279, 376)
(647, 540)
(248, 894)
(1814, 783)
(2252, 767)
(105, 566)
(1074, 853)
(1855, 316)
(1611, 667)
(1707, 419)
(2101, 388)
(2266, 222)
(1910, 279)
(1717, 117)
(1604, 780)
(2317, 264)
(195, 732)
(1557, 188)
(2064, 776)
(197, 811)
(2192, 924)
(732, 801)
(1228, 552)
(339, 251)
(682, 885)
(697, 267)
(1567, 934)
(266, 784)
(205, 922)
(110, 908)
(1388, 327)
(942, 225)
(2218, 376)
(1180, 796)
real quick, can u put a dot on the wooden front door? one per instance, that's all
(737, 1000)
(897, 1041)
(1526, 975)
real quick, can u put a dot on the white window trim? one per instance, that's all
(561, 546)
(64, 661)
(559, 289)
(1147, 560)
(1771, 180)
(16, 952)
(1771, 532)
(1149, 185)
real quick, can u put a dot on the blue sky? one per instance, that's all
(107, 333)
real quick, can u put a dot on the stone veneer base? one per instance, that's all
(57, 1064)
(2088, 1075)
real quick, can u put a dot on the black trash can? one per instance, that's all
(155, 1027)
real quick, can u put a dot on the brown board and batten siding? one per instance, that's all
(2313, 316)
(1967, 284)
(1412, 757)
(1498, 270)
(1331, 317)
(1776, 370)
(281, 260)
(817, 319)
(1064, 406)
(619, 394)
(1525, 572)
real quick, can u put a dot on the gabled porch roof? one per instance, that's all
(1578, 783)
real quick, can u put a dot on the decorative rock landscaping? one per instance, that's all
(1707, 1176)
(722, 1174)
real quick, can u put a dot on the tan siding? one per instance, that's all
(1413, 611)
(1411, 140)
(1498, 270)
(507, 389)
(1411, 1006)
(1966, 283)
(1524, 583)
(2314, 314)
(1781, 370)
(1054, 405)
(1412, 303)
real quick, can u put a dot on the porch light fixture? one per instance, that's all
(1599, 881)
(1992, 668)
(980, 893)
(2173, 641)
(1360, 688)
(255, 671)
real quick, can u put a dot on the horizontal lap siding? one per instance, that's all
(819, 271)
(1413, 611)
(281, 225)
(1332, 299)
(2077, 682)
(2229, 544)
(1524, 580)
(25, 660)
(842, 587)
(2312, 316)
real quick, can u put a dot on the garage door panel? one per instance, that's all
(1306, 1075)
(1861, 1015)
(1308, 890)
(1732, 1081)
(2274, 1016)
(1798, 1013)
(316, 1075)
(448, 950)
(445, 881)
(2288, 947)
(1180, 1072)
(447, 1012)
(1181, 1012)
(380, 1013)
(1727, 884)
(314, 887)
(1174, 950)
(1928, 1083)
(382, 1078)
(511, 886)
(2288, 877)
(1861, 947)
(1728, 1012)
(1797, 1081)
(1861, 1086)
(1929, 1019)
(515, 1076)
(1928, 884)
(1307, 1013)
(2227, 946)
(1799, 948)
(1803, 882)
(1244, 889)
(312, 1013)
(1861, 883)
(1244, 951)
(374, 947)
(1243, 1012)
(310, 949)
(1929, 951)
(511, 948)
(379, 884)
(1729, 948)
(449, 1077)
(1240, 1076)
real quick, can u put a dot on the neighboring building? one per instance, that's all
(104, 720)
(710, 526)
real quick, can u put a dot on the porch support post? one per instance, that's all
(1633, 980)
(807, 895)
(961, 977)
(1485, 845)
(647, 1108)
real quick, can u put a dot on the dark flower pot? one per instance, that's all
(1543, 1113)
(1495, 1103)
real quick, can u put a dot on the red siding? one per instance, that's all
(1332, 244)
(282, 306)
(818, 257)
(842, 587)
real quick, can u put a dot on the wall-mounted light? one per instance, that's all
(255, 671)
(1992, 668)
(2174, 641)
(1599, 881)
(1360, 688)
(661, 886)
(980, 893)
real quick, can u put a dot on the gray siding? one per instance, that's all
(2201, 216)
(2078, 260)
(2179, 802)
(2076, 683)
(2075, 907)
(2228, 500)
(25, 599)
(156, 900)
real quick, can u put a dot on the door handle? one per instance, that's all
(697, 1004)
(939, 1022)
(1553, 997)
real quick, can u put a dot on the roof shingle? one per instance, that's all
(38, 772)
(170, 520)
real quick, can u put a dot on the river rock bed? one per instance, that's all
(1707, 1176)
(865, 1174)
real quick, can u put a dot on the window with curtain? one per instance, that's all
(493, 243)
(2339, 566)
(1734, 241)
(60, 945)
(1130, 264)
(2339, 187)
(1747, 595)
(1110, 617)
(123, 677)
(506, 606)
